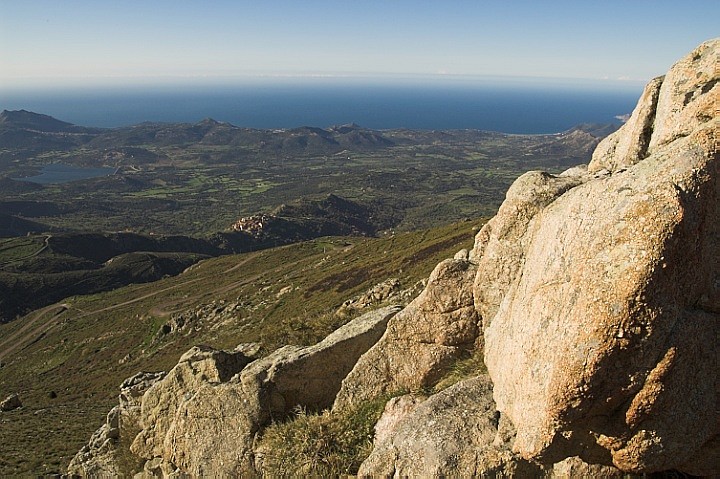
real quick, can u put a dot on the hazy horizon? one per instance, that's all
(520, 107)
(85, 43)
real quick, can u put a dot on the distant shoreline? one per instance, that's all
(507, 109)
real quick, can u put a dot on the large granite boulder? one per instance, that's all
(213, 431)
(201, 418)
(198, 367)
(100, 457)
(421, 341)
(601, 302)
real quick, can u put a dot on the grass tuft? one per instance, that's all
(462, 369)
(321, 444)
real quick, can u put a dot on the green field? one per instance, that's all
(170, 176)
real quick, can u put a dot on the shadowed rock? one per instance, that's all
(454, 433)
(11, 402)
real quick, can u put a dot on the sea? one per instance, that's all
(510, 106)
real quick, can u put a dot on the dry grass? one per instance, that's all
(323, 444)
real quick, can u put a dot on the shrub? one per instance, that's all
(320, 444)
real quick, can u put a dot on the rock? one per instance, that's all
(421, 341)
(688, 97)
(453, 433)
(573, 467)
(600, 293)
(201, 419)
(396, 409)
(133, 388)
(629, 145)
(271, 387)
(99, 457)
(11, 402)
(376, 295)
(196, 368)
(500, 245)
(462, 254)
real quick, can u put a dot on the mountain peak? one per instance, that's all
(34, 121)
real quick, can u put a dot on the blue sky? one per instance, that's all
(99, 42)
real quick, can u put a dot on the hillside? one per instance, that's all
(576, 338)
(196, 179)
(37, 270)
(27, 120)
(67, 360)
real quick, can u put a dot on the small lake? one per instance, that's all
(59, 173)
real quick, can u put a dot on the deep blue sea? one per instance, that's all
(512, 108)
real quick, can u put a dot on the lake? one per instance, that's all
(59, 173)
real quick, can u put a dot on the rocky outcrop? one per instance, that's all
(573, 467)
(100, 456)
(593, 296)
(601, 321)
(598, 295)
(199, 367)
(455, 433)
(386, 291)
(213, 430)
(437, 328)
(202, 417)
(621, 150)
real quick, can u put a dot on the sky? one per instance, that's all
(51, 43)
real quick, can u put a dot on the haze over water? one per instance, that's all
(506, 106)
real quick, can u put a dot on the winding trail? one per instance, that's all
(46, 245)
(19, 337)
(35, 327)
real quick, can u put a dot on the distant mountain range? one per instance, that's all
(384, 171)
(17, 128)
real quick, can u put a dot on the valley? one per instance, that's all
(195, 179)
(213, 234)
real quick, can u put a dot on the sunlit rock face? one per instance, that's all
(601, 305)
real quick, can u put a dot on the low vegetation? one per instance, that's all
(462, 369)
(82, 349)
(198, 179)
(326, 444)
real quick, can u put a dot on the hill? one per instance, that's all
(166, 176)
(38, 270)
(23, 119)
(67, 360)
